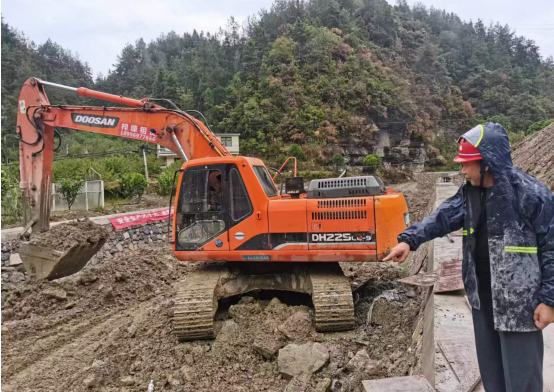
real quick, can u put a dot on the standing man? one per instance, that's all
(508, 257)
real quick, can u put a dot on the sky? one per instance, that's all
(98, 30)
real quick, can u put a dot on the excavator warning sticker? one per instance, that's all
(138, 132)
(365, 237)
(256, 258)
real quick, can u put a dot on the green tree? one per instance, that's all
(296, 151)
(372, 160)
(70, 189)
(133, 184)
(337, 161)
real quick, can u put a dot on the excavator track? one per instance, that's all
(195, 306)
(332, 298)
(197, 295)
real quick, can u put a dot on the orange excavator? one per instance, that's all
(226, 209)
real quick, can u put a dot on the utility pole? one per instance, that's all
(145, 164)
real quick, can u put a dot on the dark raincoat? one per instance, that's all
(520, 222)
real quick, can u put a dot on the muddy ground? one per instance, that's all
(108, 328)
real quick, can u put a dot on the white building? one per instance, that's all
(229, 140)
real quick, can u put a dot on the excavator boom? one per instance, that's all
(143, 120)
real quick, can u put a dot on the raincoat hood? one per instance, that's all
(491, 140)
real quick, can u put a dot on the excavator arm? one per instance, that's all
(140, 120)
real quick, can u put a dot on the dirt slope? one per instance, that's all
(535, 155)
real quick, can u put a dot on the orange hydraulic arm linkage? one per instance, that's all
(143, 120)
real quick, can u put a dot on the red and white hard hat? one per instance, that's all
(467, 152)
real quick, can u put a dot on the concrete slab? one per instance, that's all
(398, 384)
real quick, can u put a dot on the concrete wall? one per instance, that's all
(91, 196)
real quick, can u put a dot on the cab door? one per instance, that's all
(202, 218)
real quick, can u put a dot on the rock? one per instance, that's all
(5, 256)
(323, 385)
(70, 305)
(56, 293)
(173, 382)
(410, 293)
(228, 331)
(97, 363)
(126, 236)
(336, 385)
(267, 344)
(274, 301)
(119, 247)
(247, 300)
(296, 385)
(361, 363)
(90, 381)
(298, 325)
(7, 314)
(127, 381)
(189, 359)
(8, 269)
(132, 330)
(17, 277)
(88, 277)
(187, 372)
(120, 277)
(302, 360)
(15, 260)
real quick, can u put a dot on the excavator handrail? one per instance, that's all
(283, 166)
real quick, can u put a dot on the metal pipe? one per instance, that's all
(181, 152)
(57, 85)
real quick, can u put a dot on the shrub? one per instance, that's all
(165, 180)
(515, 137)
(70, 190)
(372, 160)
(296, 151)
(337, 161)
(133, 184)
(538, 126)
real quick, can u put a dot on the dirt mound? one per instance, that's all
(535, 155)
(64, 236)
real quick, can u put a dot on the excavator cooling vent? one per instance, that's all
(342, 203)
(332, 188)
(339, 215)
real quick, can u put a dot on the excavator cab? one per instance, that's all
(211, 199)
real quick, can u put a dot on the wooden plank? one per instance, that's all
(460, 355)
(398, 384)
(425, 280)
(469, 383)
(450, 277)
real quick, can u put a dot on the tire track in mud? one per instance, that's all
(73, 352)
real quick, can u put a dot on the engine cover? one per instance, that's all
(346, 187)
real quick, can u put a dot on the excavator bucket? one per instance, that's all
(46, 263)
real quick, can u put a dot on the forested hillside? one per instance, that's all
(331, 76)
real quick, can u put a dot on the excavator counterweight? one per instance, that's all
(227, 208)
